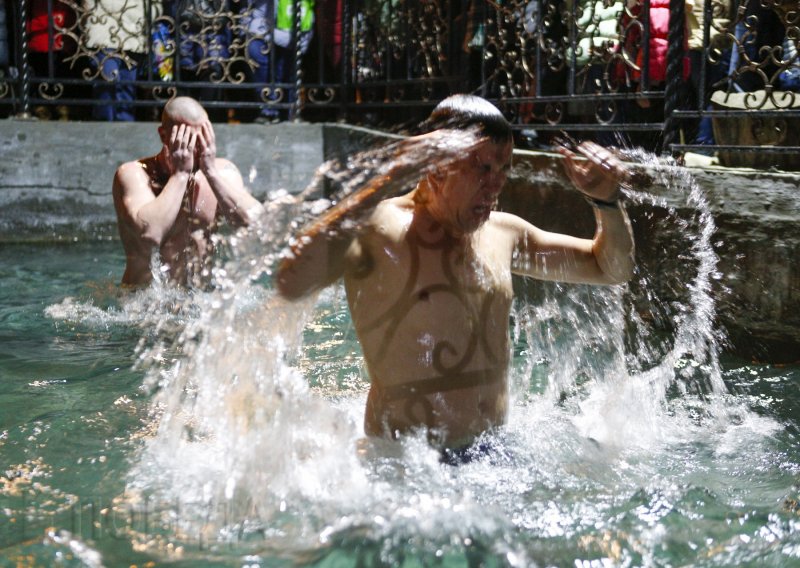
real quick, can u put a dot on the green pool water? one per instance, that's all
(87, 477)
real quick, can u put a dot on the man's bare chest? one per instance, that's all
(443, 284)
(198, 205)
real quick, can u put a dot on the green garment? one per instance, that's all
(285, 17)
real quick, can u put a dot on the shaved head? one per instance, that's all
(461, 112)
(183, 110)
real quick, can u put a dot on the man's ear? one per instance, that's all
(436, 179)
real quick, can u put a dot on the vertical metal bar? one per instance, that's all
(573, 42)
(386, 50)
(354, 54)
(273, 55)
(707, 21)
(148, 30)
(644, 79)
(675, 54)
(322, 77)
(23, 59)
(481, 18)
(176, 62)
(538, 39)
(50, 40)
(346, 33)
(298, 56)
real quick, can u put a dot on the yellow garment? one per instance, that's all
(695, 18)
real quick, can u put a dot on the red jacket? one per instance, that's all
(659, 43)
(38, 37)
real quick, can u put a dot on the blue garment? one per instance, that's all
(204, 52)
(259, 23)
(716, 73)
(114, 71)
(705, 131)
(3, 37)
(789, 79)
(489, 451)
(466, 454)
(258, 18)
(749, 43)
(204, 35)
(284, 72)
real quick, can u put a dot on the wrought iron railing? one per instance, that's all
(636, 72)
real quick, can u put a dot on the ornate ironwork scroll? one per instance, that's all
(764, 61)
(550, 64)
(399, 49)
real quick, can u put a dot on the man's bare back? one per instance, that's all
(171, 202)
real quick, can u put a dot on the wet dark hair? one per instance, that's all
(462, 112)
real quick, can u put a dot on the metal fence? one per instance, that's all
(652, 73)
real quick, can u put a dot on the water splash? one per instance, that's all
(244, 439)
(624, 358)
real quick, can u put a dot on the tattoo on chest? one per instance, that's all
(448, 359)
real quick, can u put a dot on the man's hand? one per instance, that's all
(598, 176)
(182, 142)
(207, 147)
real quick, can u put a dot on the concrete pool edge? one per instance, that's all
(56, 186)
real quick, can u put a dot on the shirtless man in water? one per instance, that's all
(428, 275)
(172, 201)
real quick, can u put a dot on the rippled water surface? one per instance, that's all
(246, 449)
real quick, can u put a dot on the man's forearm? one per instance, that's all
(237, 205)
(613, 243)
(157, 217)
(310, 264)
(315, 256)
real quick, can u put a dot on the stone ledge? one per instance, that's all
(55, 185)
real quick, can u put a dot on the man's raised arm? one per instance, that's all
(148, 216)
(316, 254)
(607, 258)
(236, 204)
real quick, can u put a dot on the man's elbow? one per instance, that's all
(244, 217)
(289, 289)
(619, 278)
(619, 271)
(287, 283)
(150, 236)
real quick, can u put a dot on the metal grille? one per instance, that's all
(635, 72)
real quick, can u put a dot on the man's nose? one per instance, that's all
(494, 182)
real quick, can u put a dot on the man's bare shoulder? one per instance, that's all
(225, 164)
(514, 228)
(130, 174)
(399, 204)
(391, 215)
(503, 220)
(139, 164)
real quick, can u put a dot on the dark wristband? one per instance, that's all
(601, 204)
